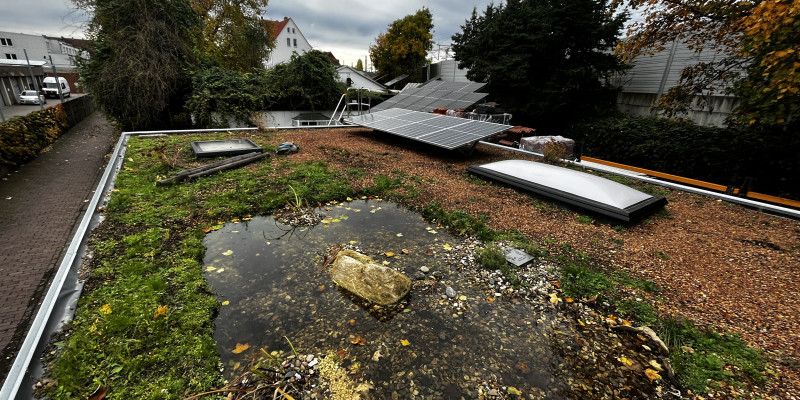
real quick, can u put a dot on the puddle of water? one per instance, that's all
(272, 277)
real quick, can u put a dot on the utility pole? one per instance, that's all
(58, 84)
(35, 82)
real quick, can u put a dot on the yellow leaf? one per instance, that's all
(389, 254)
(405, 342)
(227, 253)
(447, 246)
(656, 365)
(161, 310)
(240, 348)
(625, 322)
(399, 235)
(105, 309)
(349, 199)
(626, 361)
(651, 374)
(226, 302)
(554, 298)
(353, 242)
(514, 391)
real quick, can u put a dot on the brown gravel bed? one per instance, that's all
(719, 264)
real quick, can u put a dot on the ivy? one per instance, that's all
(22, 138)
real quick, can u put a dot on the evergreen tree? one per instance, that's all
(547, 61)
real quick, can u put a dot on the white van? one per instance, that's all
(51, 87)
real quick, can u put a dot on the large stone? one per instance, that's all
(367, 279)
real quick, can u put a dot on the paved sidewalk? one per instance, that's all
(40, 206)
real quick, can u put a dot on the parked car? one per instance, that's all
(31, 97)
(51, 87)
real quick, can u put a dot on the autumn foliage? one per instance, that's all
(402, 49)
(756, 43)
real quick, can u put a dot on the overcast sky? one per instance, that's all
(346, 28)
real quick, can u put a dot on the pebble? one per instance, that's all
(450, 292)
(424, 269)
(419, 276)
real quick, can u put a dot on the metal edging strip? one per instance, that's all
(26, 351)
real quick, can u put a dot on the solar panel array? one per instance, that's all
(436, 94)
(438, 130)
(395, 80)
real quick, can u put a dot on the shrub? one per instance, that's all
(22, 138)
(721, 155)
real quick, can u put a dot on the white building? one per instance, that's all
(358, 79)
(288, 39)
(14, 73)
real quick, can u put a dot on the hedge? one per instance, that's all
(22, 138)
(725, 156)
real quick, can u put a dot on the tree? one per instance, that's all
(760, 38)
(142, 51)
(402, 49)
(234, 35)
(544, 60)
(307, 81)
(359, 65)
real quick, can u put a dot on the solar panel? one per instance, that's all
(435, 94)
(438, 130)
(395, 80)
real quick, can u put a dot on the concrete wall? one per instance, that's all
(714, 113)
(653, 75)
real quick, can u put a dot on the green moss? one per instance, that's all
(702, 358)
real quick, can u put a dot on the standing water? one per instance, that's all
(271, 280)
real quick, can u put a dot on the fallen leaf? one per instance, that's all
(386, 263)
(428, 252)
(405, 342)
(227, 253)
(404, 251)
(462, 297)
(105, 309)
(514, 391)
(336, 220)
(625, 322)
(399, 235)
(209, 269)
(432, 231)
(490, 299)
(447, 246)
(656, 365)
(206, 230)
(226, 302)
(161, 310)
(99, 393)
(358, 341)
(568, 299)
(342, 353)
(240, 348)
(651, 374)
(351, 322)
(389, 254)
(353, 242)
(554, 299)
(626, 361)
(320, 288)
(377, 355)
(349, 199)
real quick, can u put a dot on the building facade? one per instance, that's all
(43, 52)
(288, 40)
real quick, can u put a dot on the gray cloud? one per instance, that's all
(346, 28)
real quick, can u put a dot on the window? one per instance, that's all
(11, 56)
(295, 43)
(288, 42)
(5, 42)
(293, 30)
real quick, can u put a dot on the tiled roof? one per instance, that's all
(278, 26)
